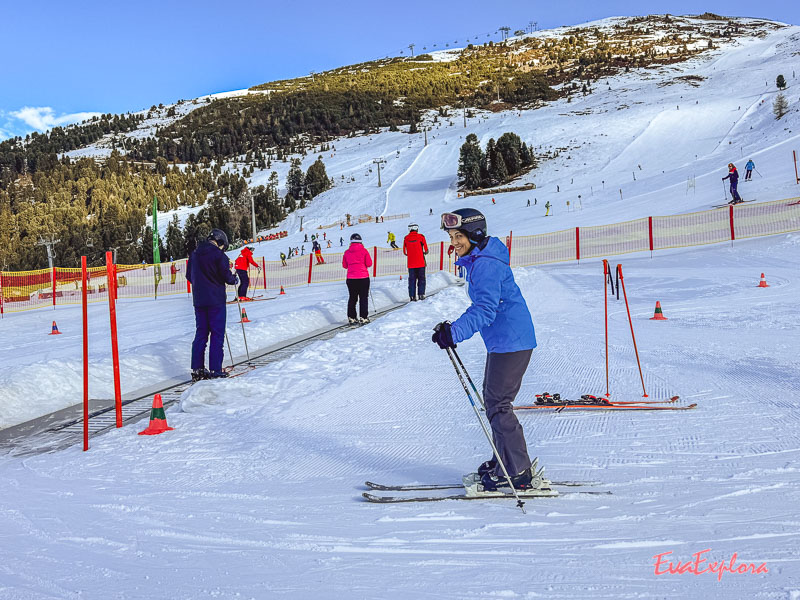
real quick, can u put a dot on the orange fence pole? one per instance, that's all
(54, 287)
(264, 271)
(310, 265)
(85, 313)
(633, 337)
(112, 314)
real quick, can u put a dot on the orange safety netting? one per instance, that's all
(52, 287)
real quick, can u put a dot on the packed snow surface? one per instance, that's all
(257, 491)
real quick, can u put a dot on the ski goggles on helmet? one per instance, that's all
(456, 221)
(451, 221)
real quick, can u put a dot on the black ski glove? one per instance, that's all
(443, 336)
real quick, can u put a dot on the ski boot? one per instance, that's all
(422, 297)
(218, 374)
(529, 479)
(199, 374)
(487, 467)
(364, 320)
(352, 321)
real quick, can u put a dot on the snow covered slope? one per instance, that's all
(257, 491)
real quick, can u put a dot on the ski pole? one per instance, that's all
(633, 337)
(463, 368)
(374, 310)
(520, 503)
(230, 353)
(244, 335)
(606, 276)
(759, 173)
(725, 191)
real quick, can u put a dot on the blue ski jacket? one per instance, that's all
(498, 311)
(750, 165)
(209, 270)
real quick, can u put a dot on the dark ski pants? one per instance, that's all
(501, 382)
(734, 193)
(244, 282)
(416, 282)
(209, 320)
(748, 174)
(359, 292)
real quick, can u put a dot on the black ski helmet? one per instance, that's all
(471, 222)
(355, 237)
(218, 236)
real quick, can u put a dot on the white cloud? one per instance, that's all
(43, 118)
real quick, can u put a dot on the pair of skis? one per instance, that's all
(549, 491)
(253, 299)
(731, 204)
(589, 402)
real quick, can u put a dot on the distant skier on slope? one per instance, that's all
(733, 175)
(242, 264)
(499, 313)
(208, 272)
(318, 252)
(357, 261)
(415, 247)
(391, 239)
(547, 206)
(748, 169)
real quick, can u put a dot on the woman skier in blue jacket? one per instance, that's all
(499, 313)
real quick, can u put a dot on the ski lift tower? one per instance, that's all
(49, 245)
(379, 162)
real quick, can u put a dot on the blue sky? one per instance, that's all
(64, 61)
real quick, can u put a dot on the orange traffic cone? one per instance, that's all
(55, 330)
(762, 283)
(158, 420)
(244, 317)
(282, 292)
(658, 315)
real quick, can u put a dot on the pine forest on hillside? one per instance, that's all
(92, 205)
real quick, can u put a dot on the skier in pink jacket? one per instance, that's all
(357, 261)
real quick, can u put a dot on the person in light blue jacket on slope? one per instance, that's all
(499, 313)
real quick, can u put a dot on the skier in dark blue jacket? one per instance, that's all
(499, 313)
(208, 272)
(733, 175)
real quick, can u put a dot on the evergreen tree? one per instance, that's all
(175, 243)
(295, 180)
(316, 179)
(509, 145)
(780, 82)
(469, 163)
(780, 107)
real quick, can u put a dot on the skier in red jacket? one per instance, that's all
(415, 248)
(243, 262)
